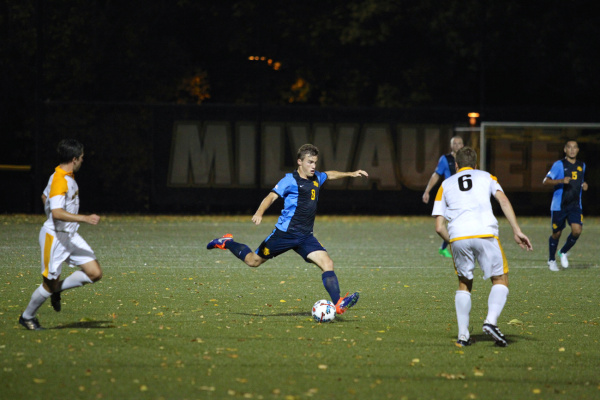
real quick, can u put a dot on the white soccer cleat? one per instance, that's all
(552, 266)
(564, 261)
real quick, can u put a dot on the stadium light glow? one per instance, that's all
(473, 118)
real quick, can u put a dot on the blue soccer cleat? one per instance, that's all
(346, 302)
(219, 243)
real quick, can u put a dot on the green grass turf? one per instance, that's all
(171, 320)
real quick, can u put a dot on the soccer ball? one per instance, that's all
(323, 311)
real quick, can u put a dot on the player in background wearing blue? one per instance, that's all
(445, 169)
(294, 229)
(567, 177)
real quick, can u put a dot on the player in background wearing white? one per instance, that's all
(567, 177)
(463, 200)
(445, 169)
(59, 240)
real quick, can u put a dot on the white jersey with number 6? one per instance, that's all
(464, 201)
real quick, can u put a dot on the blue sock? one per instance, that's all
(552, 246)
(330, 281)
(444, 245)
(240, 250)
(571, 240)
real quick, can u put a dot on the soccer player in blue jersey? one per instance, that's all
(445, 169)
(567, 177)
(294, 229)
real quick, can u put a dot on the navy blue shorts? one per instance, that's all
(573, 215)
(279, 242)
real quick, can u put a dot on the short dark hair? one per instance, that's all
(307, 150)
(466, 157)
(68, 149)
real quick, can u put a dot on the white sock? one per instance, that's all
(496, 302)
(462, 301)
(38, 298)
(76, 279)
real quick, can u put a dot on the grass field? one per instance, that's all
(171, 320)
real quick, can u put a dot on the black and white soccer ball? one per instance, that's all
(323, 311)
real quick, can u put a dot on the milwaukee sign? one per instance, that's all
(237, 155)
(219, 154)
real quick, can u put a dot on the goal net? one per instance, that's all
(520, 154)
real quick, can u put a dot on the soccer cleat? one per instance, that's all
(564, 261)
(346, 302)
(445, 253)
(219, 243)
(463, 341)
(495, 333)
(552, 266)
(32, 324)
(55, 301)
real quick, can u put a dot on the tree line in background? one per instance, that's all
(352, 53)
(380, 53)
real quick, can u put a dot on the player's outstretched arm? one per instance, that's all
(521, 239)
(339, 175)
(264, 205)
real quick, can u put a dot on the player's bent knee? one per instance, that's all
(93, 271)
(253, 260)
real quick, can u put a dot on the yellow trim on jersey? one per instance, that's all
(504, 262)
(440, 192)
(473, 237)
(59, 184)
(47, 250)
(464, 169)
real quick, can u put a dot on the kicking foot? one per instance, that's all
(346, 302)
(219, 243)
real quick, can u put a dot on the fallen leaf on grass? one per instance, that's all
(452, 376)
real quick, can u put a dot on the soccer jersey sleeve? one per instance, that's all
(282, 187)
(439, 206)
(556, 172)
(442, 167)
(321, 177)
(494, 186)
(58, 192)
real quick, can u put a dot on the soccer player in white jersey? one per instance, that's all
(59, 240)
(463, 200)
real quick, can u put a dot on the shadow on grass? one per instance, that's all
(87, 325)
(290, 314)
(511, 339)
(581, 266)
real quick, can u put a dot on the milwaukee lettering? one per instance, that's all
(223, 154)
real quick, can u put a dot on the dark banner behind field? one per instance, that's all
(225, 159)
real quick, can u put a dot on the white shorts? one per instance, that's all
(487, 251)
(59, 247)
